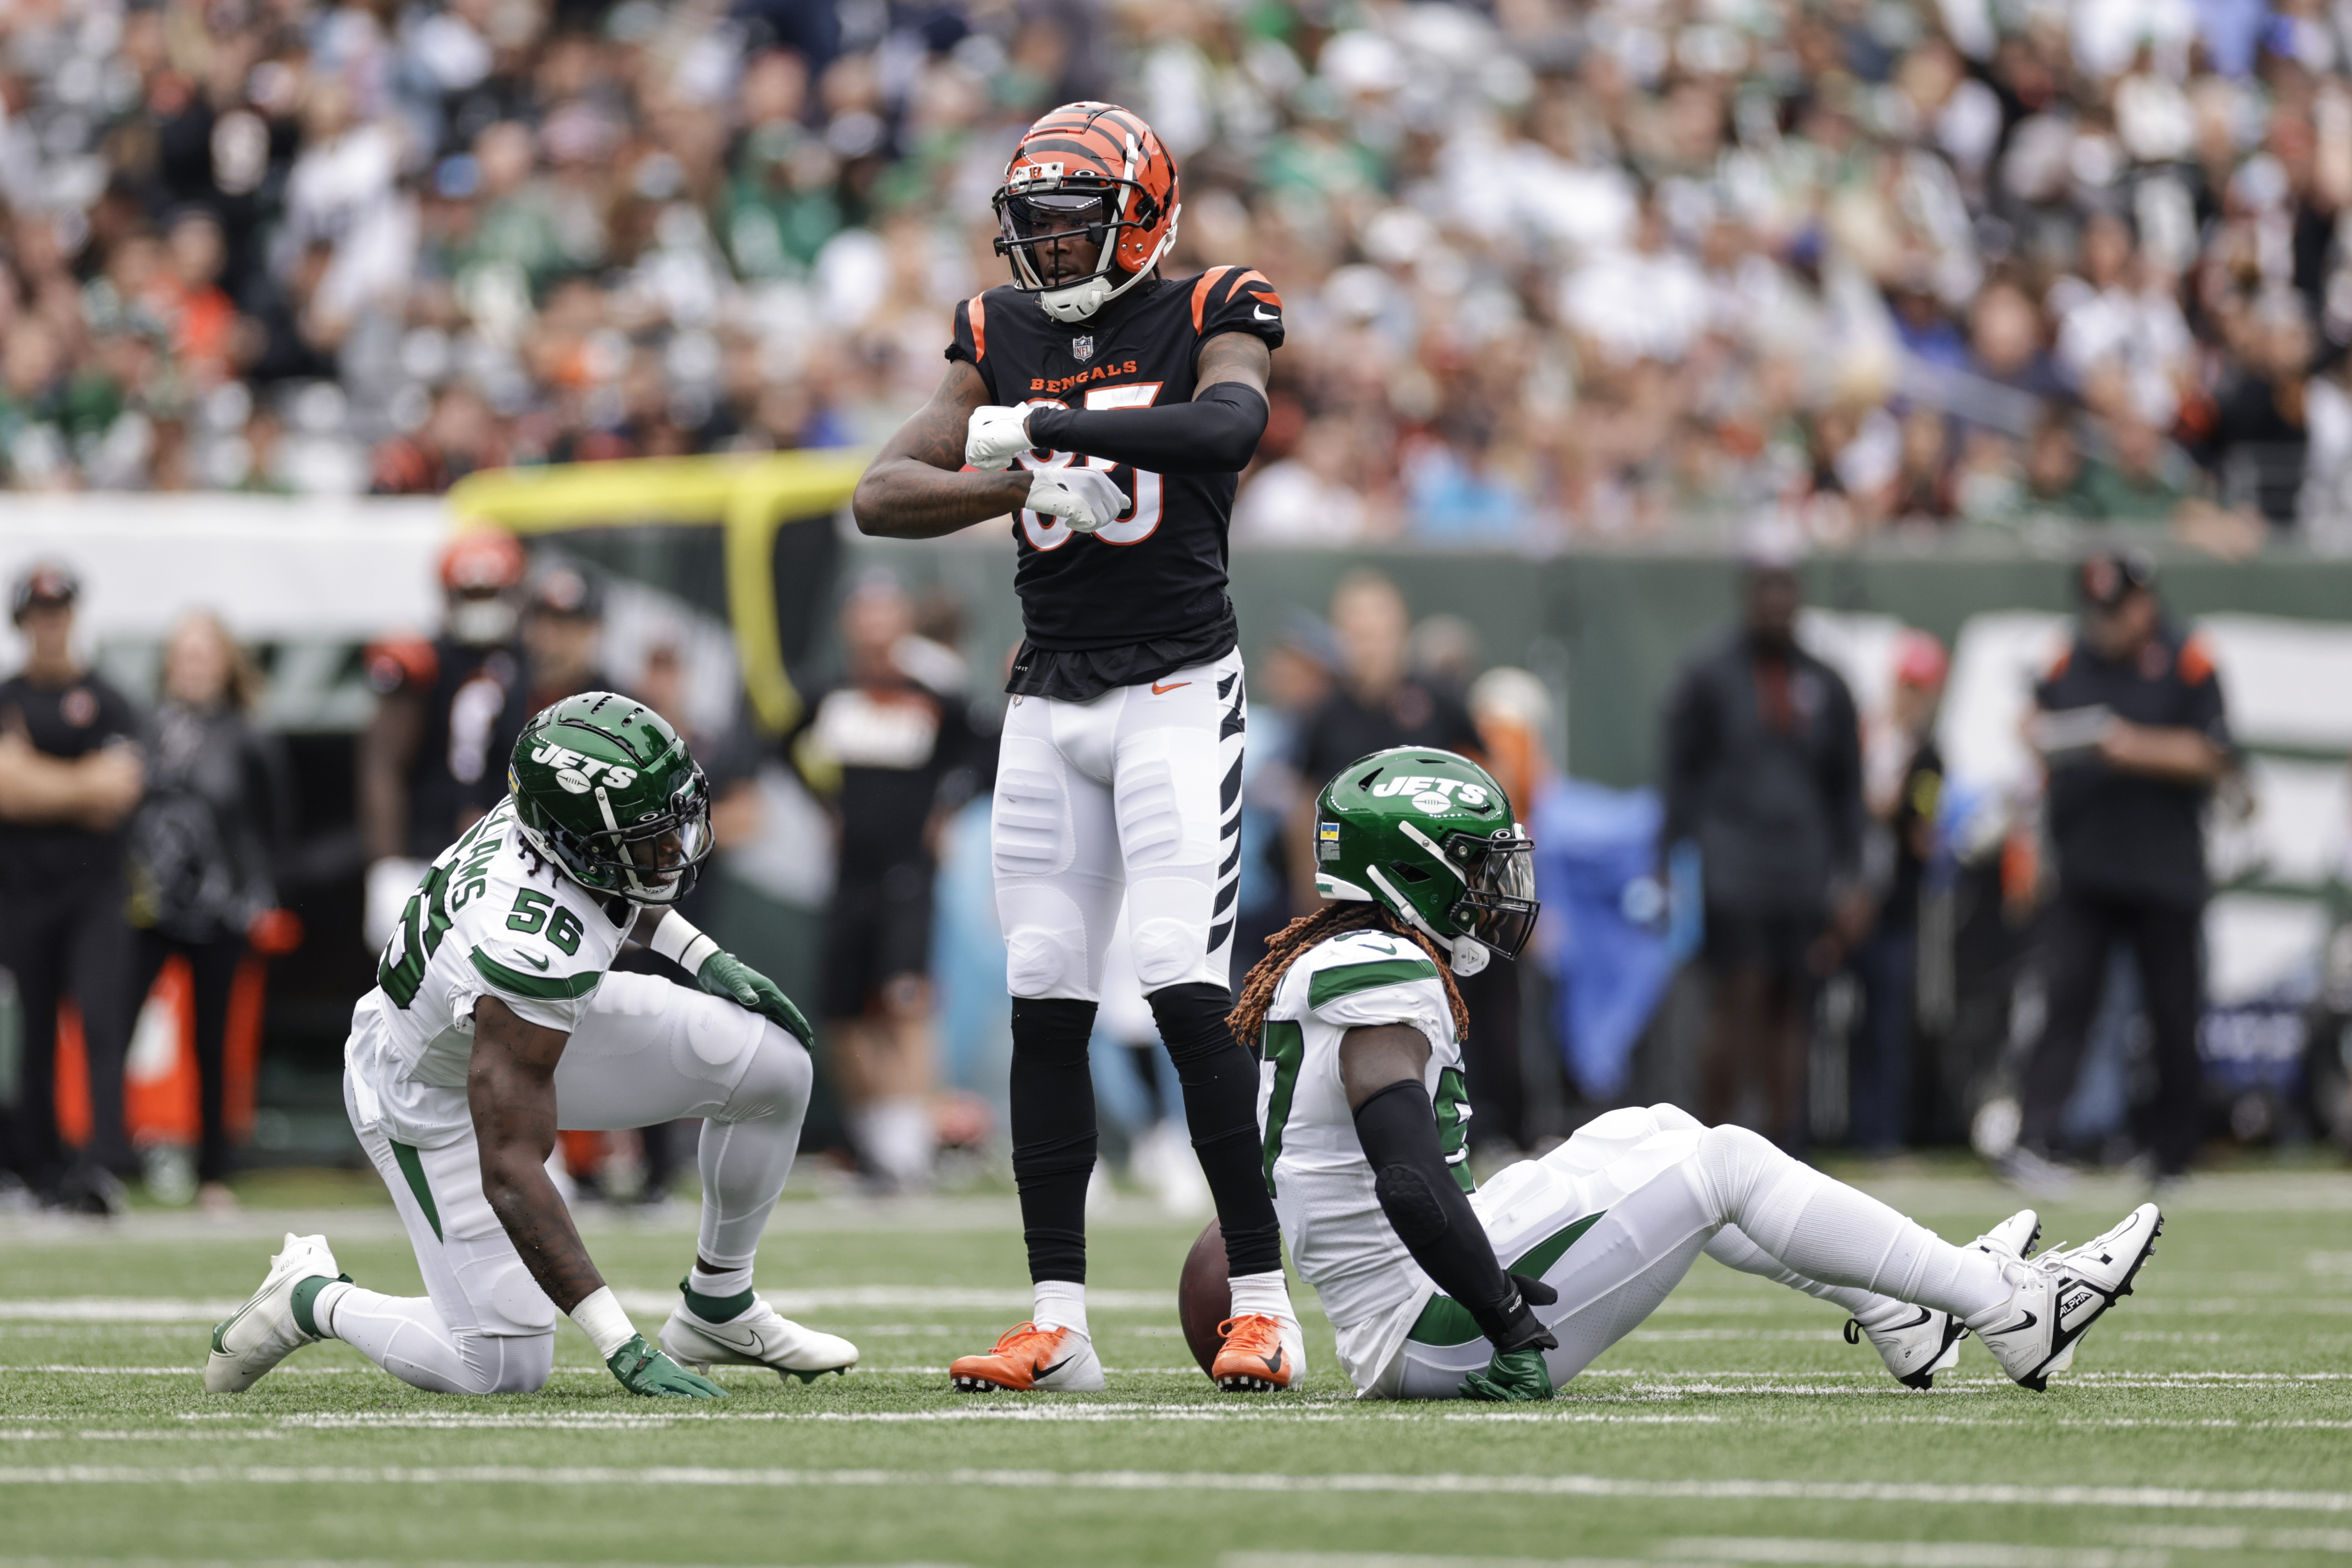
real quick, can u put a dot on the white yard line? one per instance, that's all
(1905, 1553)
(1914, 1493)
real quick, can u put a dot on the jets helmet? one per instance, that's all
(1429, 836)
(606, 792)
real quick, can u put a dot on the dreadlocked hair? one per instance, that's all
(1284, 947)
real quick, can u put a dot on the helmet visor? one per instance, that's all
(1498, 904)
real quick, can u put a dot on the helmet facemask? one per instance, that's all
(1041, 202)
(653, 861)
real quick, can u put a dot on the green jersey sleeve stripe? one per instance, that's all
(539, 987)
(1346, 979)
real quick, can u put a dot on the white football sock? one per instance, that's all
(322, 1307)
(722, 1282)
(1267, 1294)
(1060, 1304)
(1827, 1231)
(747, 1151)
(1731, 1247)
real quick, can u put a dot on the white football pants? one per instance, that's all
(649, 1051)
(1136, 791)
(1636, 1196)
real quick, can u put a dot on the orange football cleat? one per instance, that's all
(1029, 1357)
(1254, 1359)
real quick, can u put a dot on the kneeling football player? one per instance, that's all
(494, 1021)
(1437, 1290)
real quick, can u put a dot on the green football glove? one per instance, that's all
(643, 1370)
(724, 975)
(1512, 1377)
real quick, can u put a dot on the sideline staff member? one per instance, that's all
(62, 931)
(2131, 722)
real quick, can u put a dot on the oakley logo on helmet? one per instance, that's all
(1433, 795)
(577, 774)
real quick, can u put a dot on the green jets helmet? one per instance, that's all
(605, 790)
(1429, 837)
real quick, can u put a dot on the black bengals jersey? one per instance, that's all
(1145, 595)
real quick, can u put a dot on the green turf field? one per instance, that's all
(2209, 1418)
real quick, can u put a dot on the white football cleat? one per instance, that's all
(263, 1333)
(2012, 1237)
(1915, 1346)
(2059, 1295)
(756, 1336)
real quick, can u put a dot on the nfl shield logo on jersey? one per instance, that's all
(1082, 348)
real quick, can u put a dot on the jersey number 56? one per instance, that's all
(1142, 517)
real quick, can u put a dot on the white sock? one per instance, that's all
(322, 1307)
(1061, 1304)
(724, 1282)
(1827, 1231)
(1267, 1295)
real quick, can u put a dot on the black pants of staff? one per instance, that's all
(67, 940)
(2083, 931)
(212, 966)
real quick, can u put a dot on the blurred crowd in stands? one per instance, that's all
(1555, 270)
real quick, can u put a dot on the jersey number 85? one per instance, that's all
(1142, 518)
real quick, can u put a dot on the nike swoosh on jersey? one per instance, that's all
(1159, 690)
(1262, 314)
(539, 962)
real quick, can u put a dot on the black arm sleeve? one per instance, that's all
(1216, 433)
(1434, 1218)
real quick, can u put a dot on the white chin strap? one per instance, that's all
(1469, 954)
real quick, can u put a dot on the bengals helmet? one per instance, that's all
(1094, 167)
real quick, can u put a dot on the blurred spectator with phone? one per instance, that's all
(204, 850)
(2131, 724)
(1763, 769)
(69, 774)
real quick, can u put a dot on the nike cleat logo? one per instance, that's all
(1159, 690)
(1273, 1364)
(1042, 1373)
(2016, 1328)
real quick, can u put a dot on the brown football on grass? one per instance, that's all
(1203, 1297)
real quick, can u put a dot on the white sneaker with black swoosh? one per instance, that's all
(756, 1336)
(1917, 1343)
(2056, 1298)
(263, 1333)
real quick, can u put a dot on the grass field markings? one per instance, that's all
(614, 1477)
(1904, 1554)
(2233, 1538)
(1408, 1560)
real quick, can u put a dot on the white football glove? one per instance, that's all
(389, 882)
(996, 436)
(1083, 498)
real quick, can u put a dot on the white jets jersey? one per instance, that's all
(1338, 1238)
(490, 919)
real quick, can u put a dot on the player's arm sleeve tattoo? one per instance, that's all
(1216, 433)
(510, 1088)
(916, 488)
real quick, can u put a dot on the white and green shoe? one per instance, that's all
(753, 1333)
(265, 1329)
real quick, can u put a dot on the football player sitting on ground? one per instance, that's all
(1436, 1290)
(493, 1023)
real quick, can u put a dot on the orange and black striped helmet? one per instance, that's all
(1094, 169)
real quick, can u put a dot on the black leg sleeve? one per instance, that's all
(1052, 1132)
(1433, 1217)
(1220, 1081)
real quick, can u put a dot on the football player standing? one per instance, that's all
(1112, 410)
(496, 1019)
